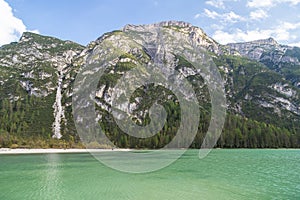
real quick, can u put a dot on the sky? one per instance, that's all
(83, 21)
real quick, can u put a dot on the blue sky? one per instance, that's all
(85, 20)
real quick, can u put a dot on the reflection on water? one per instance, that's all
(51, 186)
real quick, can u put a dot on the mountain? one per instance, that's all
(38, 73)
(32, 74)
(281, 58)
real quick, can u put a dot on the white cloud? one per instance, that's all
(294, 2)
(258, 14)
(289, 26)
(291, 2)
(260, 3)
(211, 14)
(223, 37)
(280, 33)
(11, 27)
(232, 17)
(240, 36)
(270, 3)
(219, 3)
(296, 44)
(225, 17)
(34, 31)
(216, 3)
(197, 16)
(226, 26)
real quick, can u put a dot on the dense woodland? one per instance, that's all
(17, 120)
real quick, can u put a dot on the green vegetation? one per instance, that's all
(26, 119)
(253, 79)
(239, 132)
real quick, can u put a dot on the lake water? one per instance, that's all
(223, 174)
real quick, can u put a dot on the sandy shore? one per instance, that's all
(37, 151)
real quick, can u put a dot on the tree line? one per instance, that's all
(22, 125)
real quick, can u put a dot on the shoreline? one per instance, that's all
(6, 151)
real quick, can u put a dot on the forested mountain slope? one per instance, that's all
(37, 76)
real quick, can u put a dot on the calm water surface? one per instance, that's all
(223, 174)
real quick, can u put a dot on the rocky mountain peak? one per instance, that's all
(27, 36)
(178, 24)
(255, 49)
(269, 41)
(262, 43)
(193, 32)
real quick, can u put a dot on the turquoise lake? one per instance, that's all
(223, 174)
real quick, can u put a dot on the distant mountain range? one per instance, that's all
(37, 73)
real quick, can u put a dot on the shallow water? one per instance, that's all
(223, 174)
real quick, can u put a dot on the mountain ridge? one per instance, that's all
(42, 74)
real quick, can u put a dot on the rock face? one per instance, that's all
(37, 74)
(255, 49)
(280, 58)
(193, 32)
(266, 49)
(156, 47)
(39, 65)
